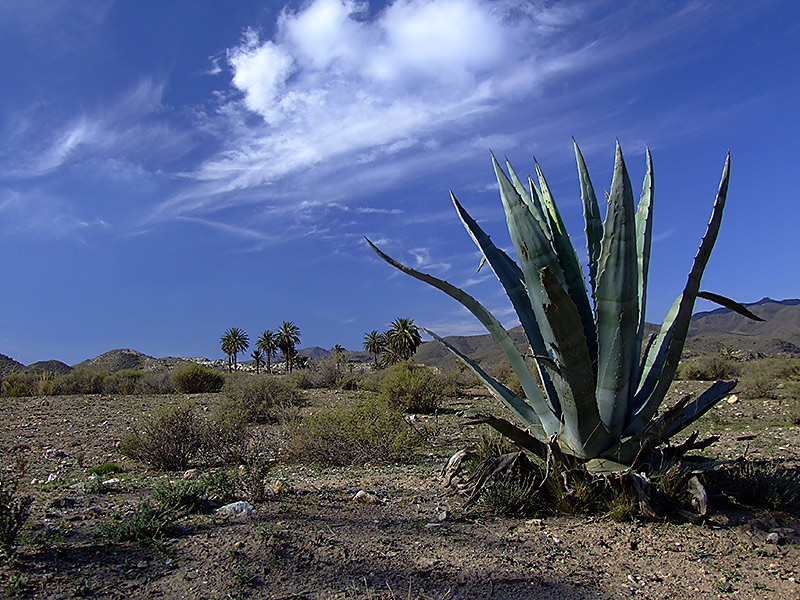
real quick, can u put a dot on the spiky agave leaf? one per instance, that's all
(617, 302)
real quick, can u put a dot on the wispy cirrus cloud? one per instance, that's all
(337, 87)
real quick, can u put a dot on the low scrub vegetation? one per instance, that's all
(167, 440)
(414, 388)
(196, 379)
(709, 368)
(260, 397)
(351, 432)
(14, 513)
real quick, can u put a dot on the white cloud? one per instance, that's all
(337, 87)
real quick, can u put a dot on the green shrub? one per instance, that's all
(14, 513)
(506, 375)
(226, 432)
(759, 483)
(708, 368)
(107, 468)
(122, 382)
(79, 381)
(182, 495)
(140, 524)
(414, 388)
(260, 396)
(196, 379)
(18, 385)
(167, 440)
(364, 430)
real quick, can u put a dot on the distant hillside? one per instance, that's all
(710, 332)
(9, 365)
(124, 358)
(48, 366)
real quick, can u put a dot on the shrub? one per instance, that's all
(167, 440)
(107, 468)
(225, 432)
(14, 513)
(759, 483)
(79, 381)
(708, 368)
(155, 383)
(414, 388)
(260, 396)
(141, 524)
(122, 382)
(366, 430)
(196, 379)
(505, 375)
(182, 495)
(18, 385)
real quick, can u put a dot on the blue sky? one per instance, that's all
(172, 169)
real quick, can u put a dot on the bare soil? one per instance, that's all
(311, 540)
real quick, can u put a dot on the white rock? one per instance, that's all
(237, 508)
(733, 399)
(365, 497)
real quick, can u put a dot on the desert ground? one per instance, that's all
(311, 539)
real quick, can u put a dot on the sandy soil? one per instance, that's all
(312, 540)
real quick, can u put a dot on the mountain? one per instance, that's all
(9, 365)
(124, 358)
(710, 332)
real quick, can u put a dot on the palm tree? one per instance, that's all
(227, 348)
(338, 354)
(258, 358)
(403, 338)
(268, 343)
(288, 337)
(374, 343)
(234, 340)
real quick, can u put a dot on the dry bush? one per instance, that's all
(414, 388)
(196, 379)
(167, 440)
(708, 368)
(365, 430)
(261, 397)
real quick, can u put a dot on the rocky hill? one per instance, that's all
(124, 358)
(9, 365)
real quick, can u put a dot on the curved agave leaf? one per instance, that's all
(573, 275)
(533, 248)
(617, 303)
(531, 200)
(644, 240)
(728, 303)
(591, 216)
(682, 320)
(584, 432)
(521, 409)
(532, 392)
(512, 280)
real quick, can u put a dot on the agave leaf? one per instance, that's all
(698, 408)
(617, 303)
(532, 392)
(535, 207)
(533, 248)
(728, 303)
(650, 371)
(573, 275)
(644, 239)
(682, 320)
(591, 215)
(511, 277)
(584, 431)
(521, 409)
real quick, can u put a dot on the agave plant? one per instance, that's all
(601, 383)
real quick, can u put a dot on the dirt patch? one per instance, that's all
(311, 540)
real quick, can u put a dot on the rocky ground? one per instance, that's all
(311, 539)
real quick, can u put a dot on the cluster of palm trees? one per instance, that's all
(396, 344)
(285, 339)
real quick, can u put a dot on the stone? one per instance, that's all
(191, 474)
(365, 497)
(774, 538)
(280, 485)
(237, 509)
(733, 399)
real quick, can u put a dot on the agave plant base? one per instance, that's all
(596, 385)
